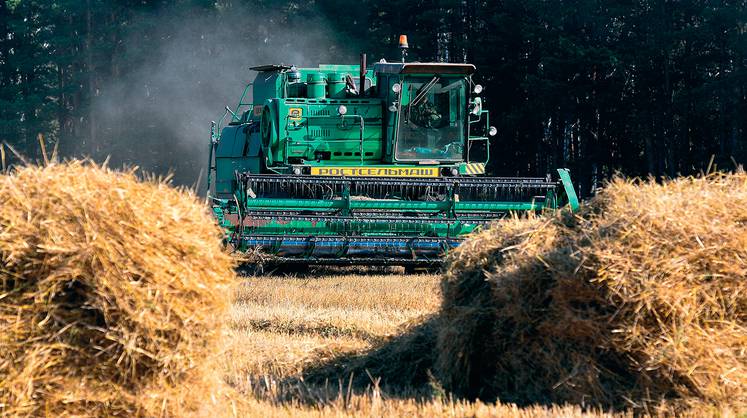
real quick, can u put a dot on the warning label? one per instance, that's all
(295, 113)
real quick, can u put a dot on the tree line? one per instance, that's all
(641, 87)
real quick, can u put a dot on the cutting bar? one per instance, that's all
(521, 189)
(425, 250)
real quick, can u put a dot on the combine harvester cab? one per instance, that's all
(344, 164)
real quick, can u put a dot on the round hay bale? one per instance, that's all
(110, 291)
(639, 300)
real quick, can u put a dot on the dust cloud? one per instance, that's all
(179, 76)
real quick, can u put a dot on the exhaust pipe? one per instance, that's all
(362, 76)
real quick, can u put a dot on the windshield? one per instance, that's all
(430, 120)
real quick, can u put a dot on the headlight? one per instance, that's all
(477, 89)
(396, 87)
(492, 131)
(342, 110)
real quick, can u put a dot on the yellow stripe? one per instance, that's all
(476, 168)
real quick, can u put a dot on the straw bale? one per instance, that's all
(110, 292)
(639, 300)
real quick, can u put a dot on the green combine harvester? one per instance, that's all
(346, 164)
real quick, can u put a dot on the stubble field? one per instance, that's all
(295, 345)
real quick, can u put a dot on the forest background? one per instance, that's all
(640, 87)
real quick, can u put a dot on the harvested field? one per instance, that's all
(286, 335)
(298, 323)
(638, 301)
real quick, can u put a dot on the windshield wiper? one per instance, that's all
(425, 91)
(419, 97)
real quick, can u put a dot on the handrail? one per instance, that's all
(480, 138)
(243, 94)
(220, 123)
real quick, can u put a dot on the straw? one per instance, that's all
(638, 300)
(110, 292)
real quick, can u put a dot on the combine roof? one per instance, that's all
(425, 67)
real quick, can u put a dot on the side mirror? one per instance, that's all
(476, 106)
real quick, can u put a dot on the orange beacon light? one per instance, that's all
(403, 41)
